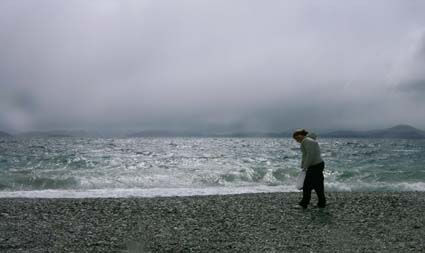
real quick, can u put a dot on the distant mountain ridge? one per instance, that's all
(165, 133)
(399, 131)
(160, 133)
(4, 134)
(57, 133)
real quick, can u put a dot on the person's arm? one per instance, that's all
(303, 151)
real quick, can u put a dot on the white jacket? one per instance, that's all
(310, 151)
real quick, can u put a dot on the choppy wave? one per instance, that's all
(184, 166)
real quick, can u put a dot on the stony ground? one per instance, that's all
(353, 222)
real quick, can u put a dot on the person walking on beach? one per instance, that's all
(313, 164)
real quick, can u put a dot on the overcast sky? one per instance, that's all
(211, 65)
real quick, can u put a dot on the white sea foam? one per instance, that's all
(419, 186)
(170, 192)
(375, 186)
(146, 193)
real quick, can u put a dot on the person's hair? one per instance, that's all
(302, 132)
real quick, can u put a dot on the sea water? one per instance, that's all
(124, 167)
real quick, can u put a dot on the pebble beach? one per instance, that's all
(261, 222)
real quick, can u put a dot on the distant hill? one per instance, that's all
(164, 133)
(259, 134)
(4, 134)
(159, 133)
(57, 133)
(399, 131)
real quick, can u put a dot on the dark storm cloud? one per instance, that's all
(244, 65)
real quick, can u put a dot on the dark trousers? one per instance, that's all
(314, 180)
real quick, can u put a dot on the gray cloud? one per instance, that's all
(412, 77)
(416, 87)
(208, 64)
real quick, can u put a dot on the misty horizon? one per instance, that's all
(398, 131)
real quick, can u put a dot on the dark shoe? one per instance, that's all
(320, 206)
